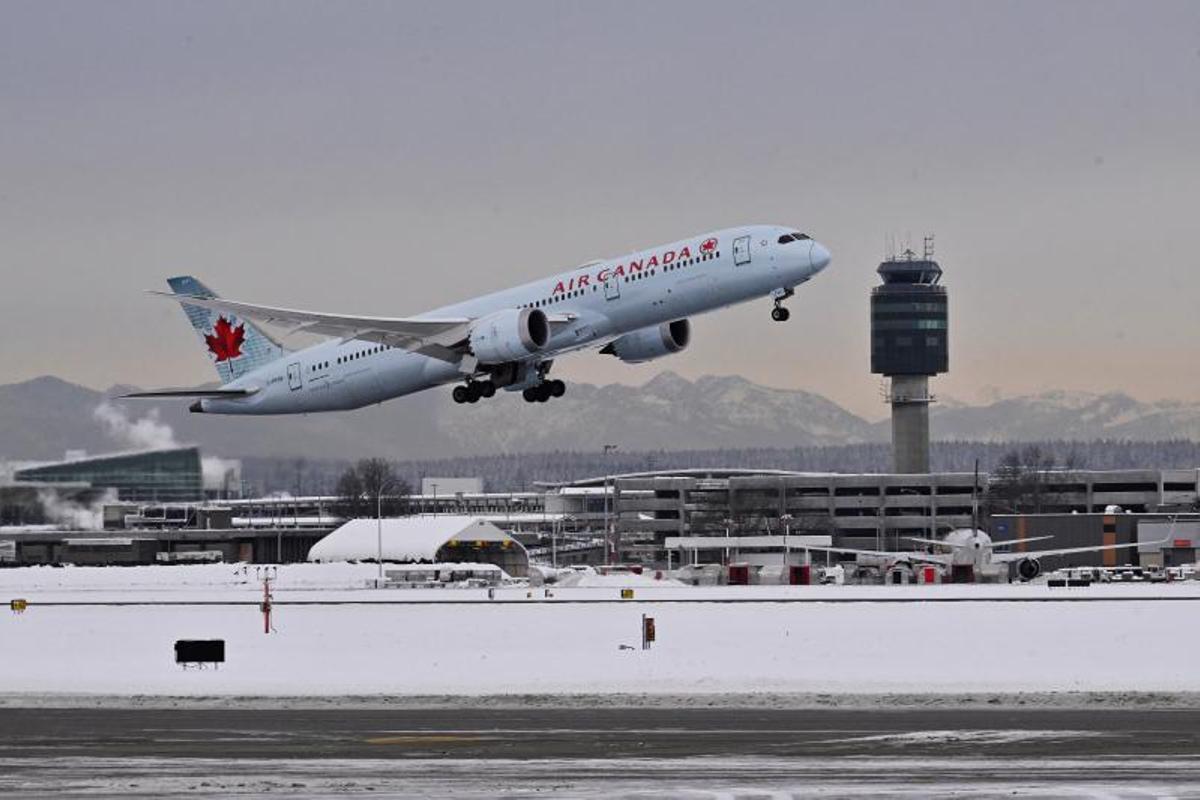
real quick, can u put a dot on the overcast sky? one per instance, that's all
(385, 158)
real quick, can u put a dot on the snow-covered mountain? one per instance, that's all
(44, 417)
(1068, 415)
(668, 412)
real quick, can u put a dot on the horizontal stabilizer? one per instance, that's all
(159, 394)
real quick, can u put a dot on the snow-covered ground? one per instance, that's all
(335, 637)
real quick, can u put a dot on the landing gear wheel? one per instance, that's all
(540, 393)
(487, 389)
(780, 314)
(557, 388)
(459, 394)
(473, 392)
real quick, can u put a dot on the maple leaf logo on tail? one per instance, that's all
(225, 342)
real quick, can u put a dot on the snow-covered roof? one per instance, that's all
(404, 539)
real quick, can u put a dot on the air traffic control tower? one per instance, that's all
(909, 346)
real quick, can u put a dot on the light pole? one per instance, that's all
(728, 521)
(379, 532)
(385, 484)
(787, 531)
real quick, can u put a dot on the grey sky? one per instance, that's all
(386, 158)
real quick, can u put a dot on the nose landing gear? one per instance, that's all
(473, 391)
(544, 391)
(779, 313)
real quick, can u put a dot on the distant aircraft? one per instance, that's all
(635, 307)
(974, 549)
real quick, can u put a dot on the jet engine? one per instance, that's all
(1029, 568)
(509, 335)
(650, 343)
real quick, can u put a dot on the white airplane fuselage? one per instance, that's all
(603, 300)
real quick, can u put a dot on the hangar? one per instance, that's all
(430, 539)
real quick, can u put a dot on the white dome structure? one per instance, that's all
(429, 539)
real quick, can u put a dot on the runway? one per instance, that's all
(601, 752)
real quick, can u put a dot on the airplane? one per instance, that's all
(974, 549)
(636, 308)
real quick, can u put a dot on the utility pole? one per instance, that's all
(609, 534)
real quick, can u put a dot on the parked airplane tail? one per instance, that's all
(235, 345)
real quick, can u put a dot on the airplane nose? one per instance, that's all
(818, 257)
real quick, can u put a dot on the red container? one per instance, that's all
(739, 574)
(962, 573)
(800, 575)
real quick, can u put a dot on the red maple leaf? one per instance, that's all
(225, 342)
(708, 245)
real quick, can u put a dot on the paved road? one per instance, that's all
(598, 752)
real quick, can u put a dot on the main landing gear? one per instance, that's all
(473, 391)
(779, 313)
(544, 391)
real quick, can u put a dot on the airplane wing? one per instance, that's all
(937, 542)
(1004, 542)
(439, 338)
(1004, 558)
(199, 391)
(943, 543)
(930, 558)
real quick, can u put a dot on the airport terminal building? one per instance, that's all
(871, 511)
(170, 475)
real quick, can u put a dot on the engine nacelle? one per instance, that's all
(509, 335)
(650, 343)
(1029, 568)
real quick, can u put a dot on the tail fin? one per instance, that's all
(235, 346)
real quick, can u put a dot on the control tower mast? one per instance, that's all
(909, 345)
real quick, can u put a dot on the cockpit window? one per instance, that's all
(793, 237)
